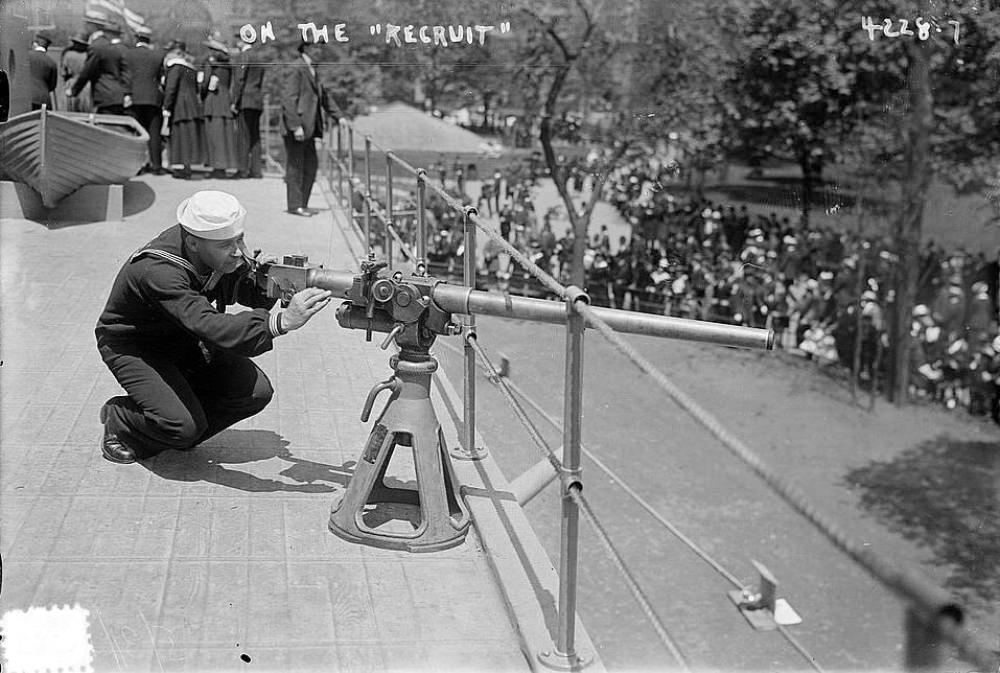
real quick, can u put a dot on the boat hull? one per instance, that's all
(56, 153)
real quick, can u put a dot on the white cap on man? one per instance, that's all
(212, 214)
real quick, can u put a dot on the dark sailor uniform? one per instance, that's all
(183, 362)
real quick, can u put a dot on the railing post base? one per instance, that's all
(564, 662)
(476, 453)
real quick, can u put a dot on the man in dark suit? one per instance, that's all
(43, 72)
(104, 69)
(302, 107)
(248, 104)
(145, 67)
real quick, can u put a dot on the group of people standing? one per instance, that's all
(212, 109)
(207, 110)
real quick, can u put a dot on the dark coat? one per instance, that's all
(126, 74)
(180, 96)
(44, 76)
(158, 305)
(104, 69)
(217, 102)
(145, 67)
(248, 82)
(303, 102)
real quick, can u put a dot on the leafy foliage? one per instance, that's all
(810, 81)
(185, 20)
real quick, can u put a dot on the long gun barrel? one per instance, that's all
(464, 300)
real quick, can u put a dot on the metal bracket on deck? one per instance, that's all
(762, 608)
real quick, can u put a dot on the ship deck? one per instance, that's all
(220, 558)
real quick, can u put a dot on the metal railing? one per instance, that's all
(932, 617)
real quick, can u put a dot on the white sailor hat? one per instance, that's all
(212, 214)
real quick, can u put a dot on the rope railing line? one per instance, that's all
(522, 416)
(546, 279)
(630, 581)
(794, 642)
(378, 211)
(932, 601)
(631, 492)
(353, 223)
(403, 245)
(687, 541)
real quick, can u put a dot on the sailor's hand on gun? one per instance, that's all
(303, 306)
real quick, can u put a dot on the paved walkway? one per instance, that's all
(220, 559)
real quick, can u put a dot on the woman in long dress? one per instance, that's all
(220, 128)
(182, 112)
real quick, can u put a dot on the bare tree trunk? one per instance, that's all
(858, 324)
(808, 180)
(579, 219)
(910, 221)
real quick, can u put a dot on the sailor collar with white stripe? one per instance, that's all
(207, 282)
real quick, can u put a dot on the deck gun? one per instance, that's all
(395, 304)
(414, 308)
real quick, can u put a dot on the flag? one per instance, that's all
(118, 9)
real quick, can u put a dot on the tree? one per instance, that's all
(638, 77)
(567, 38)
(823, 73)
(788, 90)
(185, 20)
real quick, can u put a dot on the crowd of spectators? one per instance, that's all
(826, 292)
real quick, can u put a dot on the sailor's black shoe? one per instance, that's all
(112, 448)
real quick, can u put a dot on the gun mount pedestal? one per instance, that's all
(434, 508)
(413, 310)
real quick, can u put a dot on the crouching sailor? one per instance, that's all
(184, 362)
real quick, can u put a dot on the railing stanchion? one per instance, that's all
(325, 154)
(565, 656)
(469, 450)
(368, 193)
(350, 157)
(340, 163)
(421, 262)
(389, 207)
